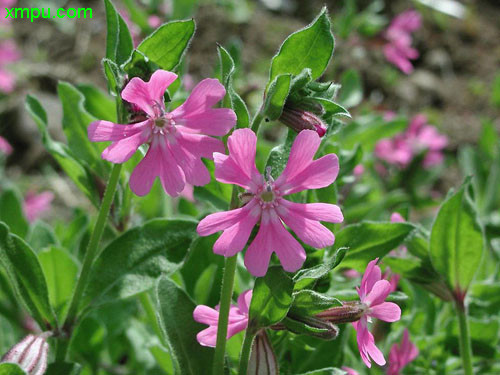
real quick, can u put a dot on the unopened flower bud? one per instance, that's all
(310, 326)
(299, 119)
(30, 354)
(347, 313)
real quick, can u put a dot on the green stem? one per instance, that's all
(149, 309)
(92, 247)
(246, 350)
(259, 116)
(465, 343)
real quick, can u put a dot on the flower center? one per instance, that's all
(267, 196)
(164, 124)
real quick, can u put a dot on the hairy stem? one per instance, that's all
(92, 247)
(246, 350)
(465, 343)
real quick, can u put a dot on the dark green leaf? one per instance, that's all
(308, 303)
(369, 240)
(271, 299)
(41, 236)
(306, 276)
(113, 76)
(63, 368)
(278, 157)
(456, 245)
(312, 47)
(214, 193)
(166, 46)
(97, 103)
(132, 262)
(11, 212)
(175, 316)
(26, 277)
(119, 43)
(276, 96)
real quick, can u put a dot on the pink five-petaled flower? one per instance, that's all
(401, 355)
(35, 205)
(266, 203)
(5, 147)
(238, 319)
(177, 140)
(373, 292)
(398, 50)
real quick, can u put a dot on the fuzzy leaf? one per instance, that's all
(308, 303)
(276, 96)
(119, 44)
(307, 276)
(10, 369)
(11, 212)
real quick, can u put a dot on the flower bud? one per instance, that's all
(300, 119)
(30, 354)
(347, 313)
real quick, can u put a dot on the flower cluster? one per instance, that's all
(398, 50)
(401, 355)
(418, 138)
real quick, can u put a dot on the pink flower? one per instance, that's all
(35, 205)
(177, 140)
(393, 279)
(188, 193)
(349, 370)
(358, 170)
(419, 137)
(8, 54)
(3, 12)
(398, 50)
(401, 355)
(373, 292)
(154, 21)
(267, 205)
(5, 146)
(238, 319)
(401, 252)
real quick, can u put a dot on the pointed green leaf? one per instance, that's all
(276, 96)
(119, 43)
(11, 212)
(10, 369)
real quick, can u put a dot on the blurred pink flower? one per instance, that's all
(358, 170)
(266, 203)
(402, 250)
(419, 137)
(389, 115)
(5, 146)
(177, 140)
(393, 279)
(398, 50)
(35, 205)
(188, 81)
(8, 55)
(350, 371)
(3, 12)
(154, 21)
(373, 292)
(188, 193)
(401, 355)
(351, 273)
(238, 319)
(135, 30)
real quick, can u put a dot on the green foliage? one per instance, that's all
(271, 299)
(11, 212)
(10, 369)
(276, 96)
(26, 277)
(456, 243)
(166, 46)
(63, 368)
(351, 93)
(308, 303)
(278, 157)
(307, 276)
(175, 314)
(119, 43)
(132, 262)
(312, 47)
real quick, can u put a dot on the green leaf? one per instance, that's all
(351, 91)
(326, 371)
(456, 245)
(61, 271)
(113, 76)
(369, 240)
(237, 104)
(26, 277)
(97, 103)
(41, 236)
(278, 157)
(10, 369)
(308, 303)
(495, 92)
(132, 262)
(276, 96)
(307, 276)
(332, 108)
(75, 122)
(11, 212)
(73, 168)
(312, 47)
(311, 327)
(119, 43)
(175, 315)
(271, 299)
(166, 46)
(214, 193)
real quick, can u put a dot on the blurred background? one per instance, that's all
(456, 81)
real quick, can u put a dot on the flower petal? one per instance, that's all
(208, 337)
(172, 177)
(244, 301)
(236, 237)
(148, 94)
(234, 328)
(200, 145)
(195, 171)
(386, 311)
(239, 166)
(102, 131)
(315, 211)
(145, 173)
(206, 315)
(259, 252)
(220, 221)
(370, 277)
(378, 293)
(120, 151)
(205, 94)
